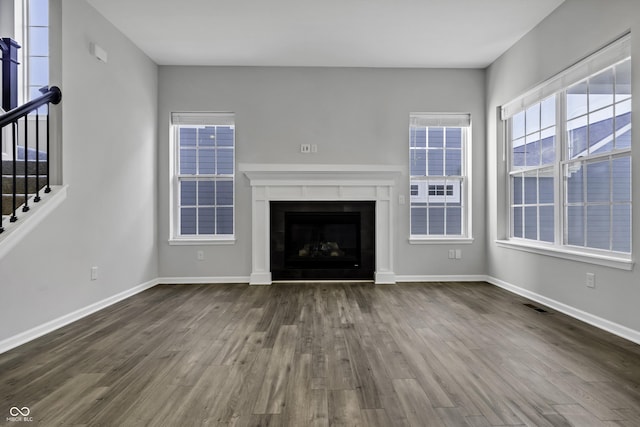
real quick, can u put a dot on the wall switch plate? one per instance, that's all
(305, 148)
(401, 200)
(94, 273)
(590, 280)
(200, 255)
(458, 253)
(314, 148)
(452, 253)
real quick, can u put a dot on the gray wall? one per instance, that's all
(355, 116)
(576, 29)
(109, 163)
(7, 23)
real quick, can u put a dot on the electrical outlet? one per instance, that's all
(401, 199)
(94, 273)
(305, 148)
(200, 255)
(590, 280)
(452, 253)
(314, 148)
(458, 253)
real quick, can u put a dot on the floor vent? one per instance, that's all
(538, 309)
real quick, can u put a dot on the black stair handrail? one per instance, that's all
(51, 95)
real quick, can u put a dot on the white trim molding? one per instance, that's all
(598, 322)
(304, 182)
(202, 280)
(591, 319)
(566, 253)
(45, 328)
(440, 241)
(443, 278)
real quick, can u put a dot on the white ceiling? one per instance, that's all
(339, 33)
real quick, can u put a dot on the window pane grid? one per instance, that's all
(205, 207)
(599, 112)
(437, 185)
(533, 135)
(532, 181)
(532, 205)
(596, 217)
(205, 177)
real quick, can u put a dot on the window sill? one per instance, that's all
(440, 240)
(202, 241)
(564, 253)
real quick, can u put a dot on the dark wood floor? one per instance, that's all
(456, 354)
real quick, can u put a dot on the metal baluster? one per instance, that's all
(37, 198)
(14, 176)
(25, 207)
(13, 117)
(48, 189)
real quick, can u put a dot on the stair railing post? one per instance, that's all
(9, 73)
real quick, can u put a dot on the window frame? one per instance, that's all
(537, 169)
(444, 120)
(22, 26)
(198, 120)
(559, 86)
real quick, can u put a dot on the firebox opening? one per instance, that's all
(322, 240)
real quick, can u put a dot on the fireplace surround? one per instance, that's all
(321, 183)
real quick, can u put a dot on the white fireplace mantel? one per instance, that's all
(297, 182)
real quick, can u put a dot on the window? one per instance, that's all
(570, 158)
(438, 150)
(203, 192)
(533, 146)
(30, 29)
(37, 47)
(440, 190)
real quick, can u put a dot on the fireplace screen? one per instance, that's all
(322, 240)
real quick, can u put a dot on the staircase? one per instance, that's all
(24, 138)
(29, 183)
(26, 173)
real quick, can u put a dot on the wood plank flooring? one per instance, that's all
(326, 354)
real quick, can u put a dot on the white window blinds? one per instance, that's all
(439, 120)
(203, 119)
(610, 55)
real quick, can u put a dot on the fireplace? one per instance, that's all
(310, 184)
(316, 240)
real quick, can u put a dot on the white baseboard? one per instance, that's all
(385, 278)
(262, 278)
(202, 280)
(52, 325)
(452, 278)
(38, 331)
(598, 322)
